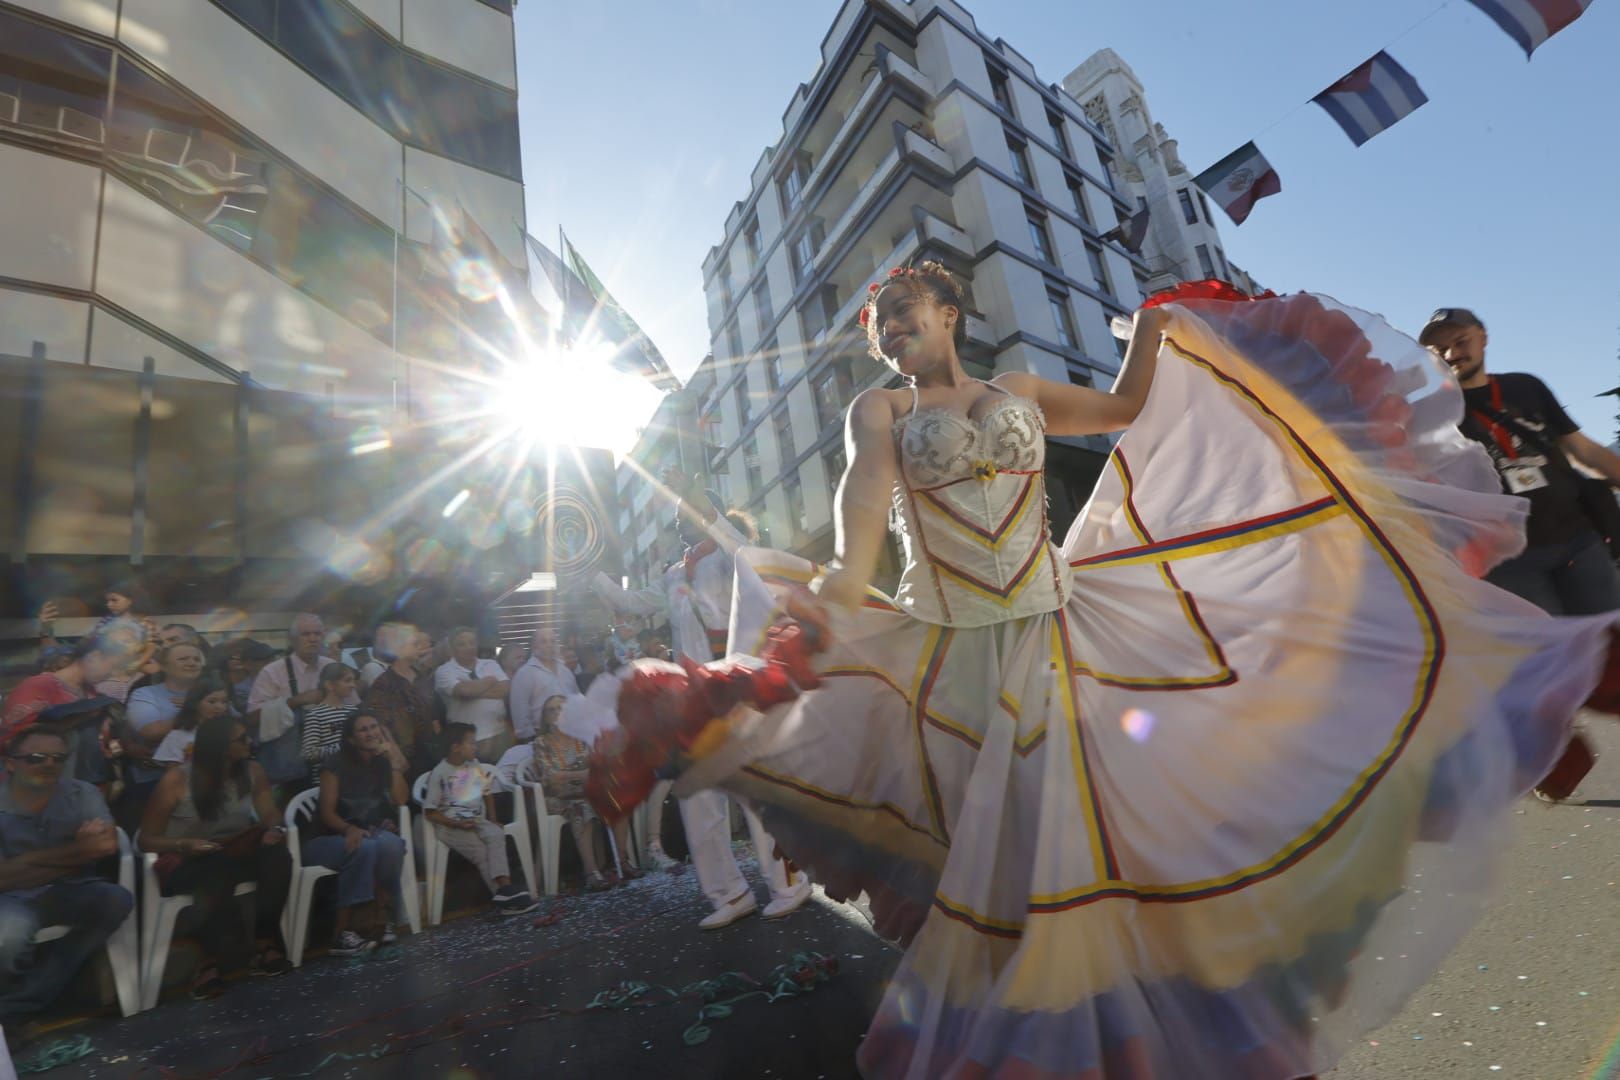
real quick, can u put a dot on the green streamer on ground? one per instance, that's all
(61, 1052)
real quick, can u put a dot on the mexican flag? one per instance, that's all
(1239, 180)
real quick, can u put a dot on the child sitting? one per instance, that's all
(460, 801)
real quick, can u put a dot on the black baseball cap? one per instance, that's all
(1448, 316)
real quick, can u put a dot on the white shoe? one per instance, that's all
(656, 856)
(728, 913)
(783, 906)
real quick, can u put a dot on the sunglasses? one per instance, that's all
(39, 758)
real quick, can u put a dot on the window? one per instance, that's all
(751, 465)
(793, 491)
(804, 253)
(833, 460)
(999, 88)
(1189, 213)
(751, 240)
(1099, 269)
(1205, 204)
(1105, 163)
(726, 288)
(1220, 261)
(825, 392)
(1078, 375)
(1077, 193)
(1059, 303)
(424, 104)
(1020, 162)
(734, 339)
(1038, 236)
(783, 426)
(745, 404)
(1059, 136)
(1204, 263)
(1120, 344)
(51, 85)
(773, 365)
(791, 183)
(762, 304)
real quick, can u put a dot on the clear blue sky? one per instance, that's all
(643, 119)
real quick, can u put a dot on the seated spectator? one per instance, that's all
(362, 789)
(55, 658)
(208, 700)
(560, 763)
(53, 830)
(150, 717)
(92, 659)
(396, 700)
(474, 693)
(179, 633)
(460, 803)
(324, 720)
(214, 823)
(90, 726)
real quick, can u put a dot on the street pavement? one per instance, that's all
(1531, 993)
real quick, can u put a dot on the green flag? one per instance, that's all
(637, 353)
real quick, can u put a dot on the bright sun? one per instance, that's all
(573, 397)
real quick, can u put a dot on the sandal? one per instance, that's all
(270, 963)
(595, 882)
(207, 984)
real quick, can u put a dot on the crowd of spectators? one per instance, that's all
(195, 750)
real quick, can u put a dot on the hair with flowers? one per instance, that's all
(928, 278)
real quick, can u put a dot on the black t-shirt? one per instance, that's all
(1521, 412)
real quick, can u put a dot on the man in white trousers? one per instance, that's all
(695, 596)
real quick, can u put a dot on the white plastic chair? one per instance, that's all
(158, 915)
(436, 856)
(295, 920)
(295, 915)
(519, 777)
(123, 948)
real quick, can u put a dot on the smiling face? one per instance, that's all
(911, 330)
(1462, 349)
(37, 774)
(368, 735)
(214, 705)
(182, 663)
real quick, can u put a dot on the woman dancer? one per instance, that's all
(1210, 788)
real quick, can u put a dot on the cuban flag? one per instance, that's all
(1532, 22)
(1374, 96)
(1239, 180)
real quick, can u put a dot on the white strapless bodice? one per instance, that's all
(971, 512)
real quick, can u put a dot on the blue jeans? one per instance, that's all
(33, 977)
(375, 862)
(1576, 577)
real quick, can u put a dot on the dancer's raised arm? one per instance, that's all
(1080, 410)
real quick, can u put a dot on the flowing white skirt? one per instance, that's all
(1225, 810)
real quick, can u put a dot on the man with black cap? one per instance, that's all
(1566, 566)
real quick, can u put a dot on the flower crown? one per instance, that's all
(865, 317)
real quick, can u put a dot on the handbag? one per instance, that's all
(1594, 494)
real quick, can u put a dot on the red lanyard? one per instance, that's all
(1499, 434)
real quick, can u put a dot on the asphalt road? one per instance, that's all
(1532, 992)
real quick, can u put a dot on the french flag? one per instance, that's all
(1374, 96)
(1532, 22)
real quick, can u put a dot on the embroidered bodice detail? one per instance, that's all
(970, 509)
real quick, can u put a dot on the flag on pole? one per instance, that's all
(1239, 180)
(1532, 22)
(577, 306)
(1376, 95)
(1130, 233)
(637, 353)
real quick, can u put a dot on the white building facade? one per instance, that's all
(216, 219)
(1183, 241)
(917, 137)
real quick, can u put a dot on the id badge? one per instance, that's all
(1523, 478)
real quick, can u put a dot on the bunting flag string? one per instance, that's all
(1374, 96)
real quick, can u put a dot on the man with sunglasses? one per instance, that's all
(53, 832)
